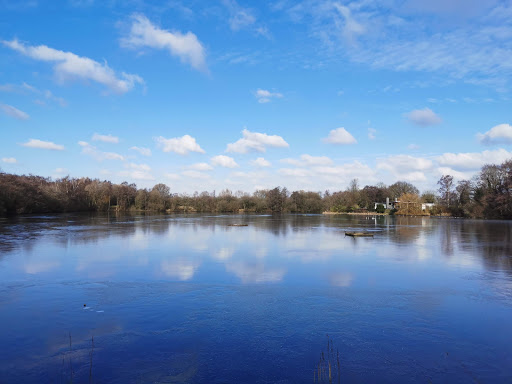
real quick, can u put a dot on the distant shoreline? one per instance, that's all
(355, 213)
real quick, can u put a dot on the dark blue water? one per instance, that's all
(190, 299)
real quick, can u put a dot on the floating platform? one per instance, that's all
(359, 234)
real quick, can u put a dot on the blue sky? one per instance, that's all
(206, 95)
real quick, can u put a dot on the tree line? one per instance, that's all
(487, 195)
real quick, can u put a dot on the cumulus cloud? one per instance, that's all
(224, 161)
(500, 134)
(195, 174)
(142, 151)
(473, 160)
(423, 117)
(137, 172)
(334, 175)
(256, 142)
(264, 96)
(406, 167)
(308, 161)
(180, 145)
(404, 163)
(105, 138)
(92, 151)
(261, 162)
(186, 46)
(71, 66)
(36, 143)
(459, 175)
(9, 160)
(9, 110)
(340, 136)
(200, 167)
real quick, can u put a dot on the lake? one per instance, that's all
(190, 299)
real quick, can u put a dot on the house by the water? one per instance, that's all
(396, 205)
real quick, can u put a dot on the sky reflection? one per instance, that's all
(178, 291)
(268, 250)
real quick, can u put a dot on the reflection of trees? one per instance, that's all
(492, 240)
(405, 229)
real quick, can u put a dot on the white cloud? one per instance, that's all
(200, 167)
(172, 176)
(244, 18)
(404, 163)
(9, 160)
(413, 147)
(371, 133)
(9, 110)
(137, 172)
(180, 145)
(257, 142)
(25, 88)
(71, 66)
(261, 162)
(142, 151)
(105, 138)
(186, 46)
(423, 117)
(137, 175)
(224, 161)
(406, 167)
(456, 174)
(474, 160)
(195, 174)
(296, 172)
(35, 143)
(351, 28)
(499, 134)
(325, 177)
(139, 167)
(92, 151)
(475, 50)
(240, 17)
(308, 161)
(264, 96)
(340, 136)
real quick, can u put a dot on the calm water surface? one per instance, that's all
(189, 299)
